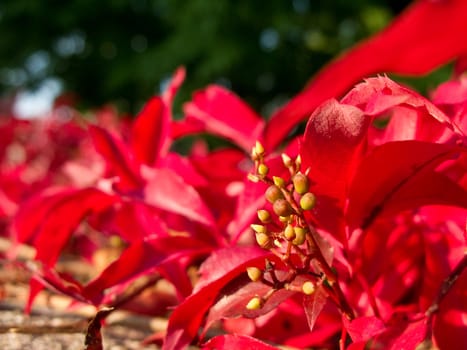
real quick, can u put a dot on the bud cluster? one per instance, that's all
(286, 231)
(283, 228)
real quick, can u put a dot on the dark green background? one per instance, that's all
(121, 51)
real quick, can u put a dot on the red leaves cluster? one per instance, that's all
(387, 166)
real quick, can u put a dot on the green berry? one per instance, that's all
(255, 303)
(289, 233)
(300, 235)
(308, 288)
(301, 183)
(308, 201)
(263, 169)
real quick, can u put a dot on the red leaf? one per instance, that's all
(44, 276)
(166, 190)
(331, 148)
(220, 268)
(410, 45)
(149, 134)
(62, 219)
(31, 214)
(414, 116)
(143, 256)
(427, 188)
(151, 130)
(132, 221)
(451, 92)
(223, 261)
(221, 112)
(120, 162)
(401, 335)
(363, 329)
(383, 173)
(249, 200)
(184, 167)
(314, 304)
(235, 342)
(236, 295)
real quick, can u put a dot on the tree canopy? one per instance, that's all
(122, 51)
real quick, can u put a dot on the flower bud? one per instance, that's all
(254, 273)
(259, 149)
(298, 161)
(301, 183)
(259, 228)
(278, 181)
(253, 178)
(282, 208)
(308, 201)
(289, 233)
(254, 157)
(263, 240)
(286, 160)
(263, 169)
(255, 303)
(300, 235)
(264, 216)
(308, 288)
(273, 193)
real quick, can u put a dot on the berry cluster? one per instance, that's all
(287, 233)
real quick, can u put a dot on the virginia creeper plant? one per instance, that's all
(348, 235)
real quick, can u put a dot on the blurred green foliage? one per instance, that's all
(123, 51)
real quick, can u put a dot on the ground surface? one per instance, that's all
(49, 330)
(53, 326)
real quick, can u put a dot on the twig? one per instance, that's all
(446, 286)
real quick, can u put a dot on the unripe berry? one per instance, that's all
(289, 233)
(282, 208)
(308, 288)
(273, 193)
(255, 303)
(301, 183)
(307, 201)
(300, 235)
(263, 169)
(264, 216)
(254, 273)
